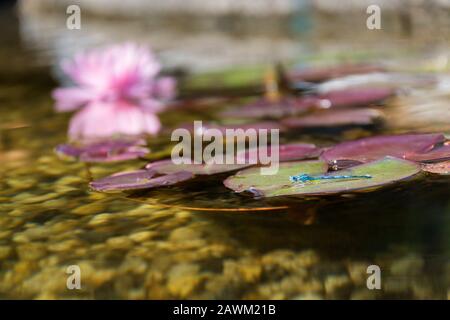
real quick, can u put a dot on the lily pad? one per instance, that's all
(379, 80)
(140, 179)
(287, 152)
(168, 167)
(438, 153)
(355, 97)
(325, 73)
(333, 118)
(411, 147)
(104, 151)
(438, 167)
(294, 106)
(263, 108)
(382, 172)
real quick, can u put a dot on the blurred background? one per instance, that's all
(200, 35)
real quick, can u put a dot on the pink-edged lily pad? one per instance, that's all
(418, 147)
(333, 118)
(378, 80)
(298, 105)
(287, 152)
(325, 73)
(104, 151)
(140, 179)
(355, 97)
(169, 167)
(438, 153)
(382, 172)
(263, 108)
(243, 159)
(437, 168)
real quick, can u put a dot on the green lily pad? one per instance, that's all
(382, 172)
(233, 77)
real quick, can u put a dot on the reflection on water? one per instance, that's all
(152, 245)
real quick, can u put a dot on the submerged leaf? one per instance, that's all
(411, 147)
(140, 179)
(382, 172)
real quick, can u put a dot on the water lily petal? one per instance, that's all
(165, 88)
(117, 66)
(100, 120)
(119, 91)
(69, 99)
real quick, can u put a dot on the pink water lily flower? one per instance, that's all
(117, 90)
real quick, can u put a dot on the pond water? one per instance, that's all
(190, 241)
